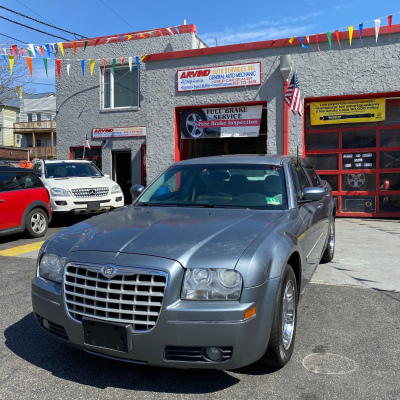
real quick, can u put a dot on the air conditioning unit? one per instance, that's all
(18, 140)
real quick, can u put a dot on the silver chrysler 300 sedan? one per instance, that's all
(204, 270)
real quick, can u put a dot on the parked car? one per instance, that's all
(204, 270)
(78, 186)
(24, 203)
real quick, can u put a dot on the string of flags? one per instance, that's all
(350, 29)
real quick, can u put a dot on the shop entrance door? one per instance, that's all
(122, 172)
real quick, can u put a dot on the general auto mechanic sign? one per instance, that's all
(220, 77)
(118, 133)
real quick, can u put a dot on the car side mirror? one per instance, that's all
(312, 194)
(136, 190)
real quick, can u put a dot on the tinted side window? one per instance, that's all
(18, 180)
(299, 178)
(313, 175)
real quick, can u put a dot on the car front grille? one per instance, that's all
(130, 296)
(90, 192)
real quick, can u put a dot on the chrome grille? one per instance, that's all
(131, 296)
(90, 192)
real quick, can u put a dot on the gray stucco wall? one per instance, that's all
(371, 68)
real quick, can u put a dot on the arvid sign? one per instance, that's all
(226, 76)
(118, 133)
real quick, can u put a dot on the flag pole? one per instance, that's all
(84, 148)
(297, 137)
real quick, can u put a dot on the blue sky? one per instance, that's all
(233, 21)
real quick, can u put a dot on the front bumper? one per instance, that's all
(84, 205)
(183, 326)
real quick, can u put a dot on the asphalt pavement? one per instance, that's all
(347, 344)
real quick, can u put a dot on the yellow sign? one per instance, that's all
(347, 111)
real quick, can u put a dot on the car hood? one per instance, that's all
(79, 182)
(194, 237)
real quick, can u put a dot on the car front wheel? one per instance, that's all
(283, 331)
(36, 223)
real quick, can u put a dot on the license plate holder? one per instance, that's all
(107, 335)
(93, 205)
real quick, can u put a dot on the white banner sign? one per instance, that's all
(219, 77)
(128, 131)
(223, 122)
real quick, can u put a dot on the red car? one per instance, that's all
(24, 203)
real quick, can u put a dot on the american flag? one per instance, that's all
(293, 96)
(87, 144)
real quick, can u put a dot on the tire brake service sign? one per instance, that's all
(219, 77)
(221, 122)
(347, 111)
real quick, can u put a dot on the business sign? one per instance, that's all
(223, 122)
(118, 133)
(347, 111)
(219, 77)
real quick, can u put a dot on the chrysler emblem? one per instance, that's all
(109, 271)
(92, 192)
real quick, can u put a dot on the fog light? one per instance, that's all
(118, 199)
(61, 203)
(46, 324)
(213, 353)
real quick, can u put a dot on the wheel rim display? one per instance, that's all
(38, 223)
(191, 125)
(288, 314)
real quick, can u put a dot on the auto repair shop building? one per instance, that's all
(187, 100)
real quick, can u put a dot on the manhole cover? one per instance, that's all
(328, 363)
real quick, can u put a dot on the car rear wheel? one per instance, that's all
(330, 246)
(283, 331)
(36, 223)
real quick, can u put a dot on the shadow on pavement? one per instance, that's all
(26, 340)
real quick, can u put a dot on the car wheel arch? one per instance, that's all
(295, 262)
(31, 206)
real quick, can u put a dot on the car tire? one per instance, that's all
(189, 120)
(283, 330)
(36, 223)
(330, 245)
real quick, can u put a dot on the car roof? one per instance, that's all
(65, 161)
(272, 159)
(15, 169)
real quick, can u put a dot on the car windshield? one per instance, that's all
(70, 170)
(222, 185)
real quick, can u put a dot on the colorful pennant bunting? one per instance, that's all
(291, 39)
(45, 66)
(329, 35)
(86, 43)
(337, 37)
(360, 29)
(32, 49)
(318, 43)
(92, 66)
(130, 64)
(351, 29)
(68, 67)
(58, 64)
(15, 48)
(97, 42)
(61, 47)
(377, 27)
(48, 49)
(113, 65)
(29, 62)
(74, 47)
(83, 67)
(390, 17)
(301, 42)
(11, 62)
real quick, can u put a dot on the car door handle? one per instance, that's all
(1, 200)
(320, 205)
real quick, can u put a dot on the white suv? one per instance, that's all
(78, 186)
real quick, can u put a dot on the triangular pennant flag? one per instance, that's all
(142, 58)
(45, 65)
(151, 33)
(390, 17)
(301, 42)
(113, 66)
(74, 47)
(130, 64)
(5, 58)
(97, 42)
(291, 39)
(68, 67)
(360, 28)
(377, 27)
(15, 48)
(337, 37)
(11, 61)
(122, 62)
(83, 67)
(169, 30)
(92, 66)
(23, 52)
(48, 49)
(107, 40)
(32, 49)
(329, 34)
(61, 47)
(351, 29)
(86, 43)
(29, 62)
(142, 36)
(58, 64)
(318, 43)
(120, 39)
(160, 32)
(104, 65)
(129, 37)
(308, 39)
(137, 61)
(30, 53)
(177, 29)
(53, 47)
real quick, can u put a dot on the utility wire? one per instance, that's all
(40, 22)
(117, 14)
(10, 37)
(34, 29)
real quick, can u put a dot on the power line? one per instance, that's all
(117, 15)
(40, 22)
(34, 29)
(10, 37)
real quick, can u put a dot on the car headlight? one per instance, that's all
(59, 192)
(116, 189)
(211, 284)
(51, 267)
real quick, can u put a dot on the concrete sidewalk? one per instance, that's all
(367, 255)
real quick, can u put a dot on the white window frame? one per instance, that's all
(102, 76)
